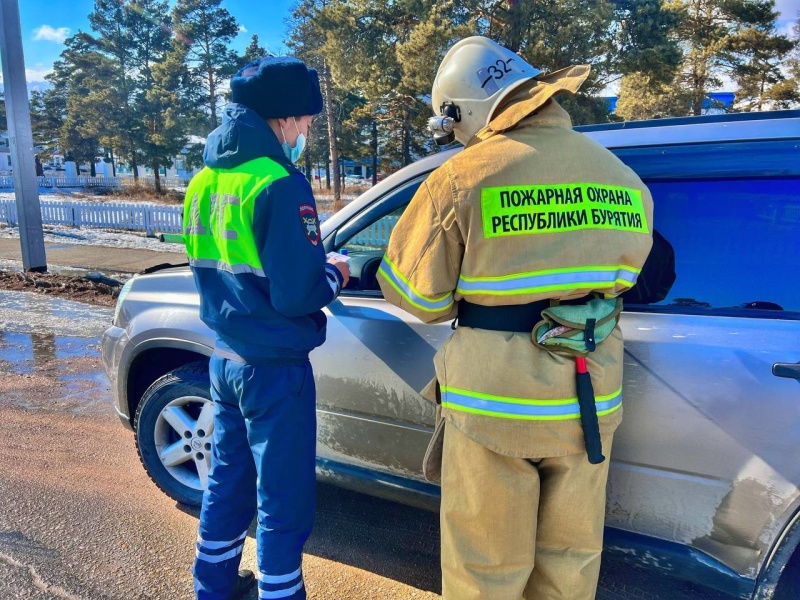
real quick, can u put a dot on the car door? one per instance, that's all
(707, 452)
(377, 357)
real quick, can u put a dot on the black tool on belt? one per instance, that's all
(589, 423)
(522, 318)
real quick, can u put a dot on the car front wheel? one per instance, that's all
(174, 426)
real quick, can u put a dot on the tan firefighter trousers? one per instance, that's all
(514, 528)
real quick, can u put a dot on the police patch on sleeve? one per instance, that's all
(310, 221)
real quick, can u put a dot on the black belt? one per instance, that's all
(506, 317)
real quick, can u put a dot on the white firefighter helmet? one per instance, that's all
(473, 78)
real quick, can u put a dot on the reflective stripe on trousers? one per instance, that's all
(254, 405)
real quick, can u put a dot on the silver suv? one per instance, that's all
(705, 471)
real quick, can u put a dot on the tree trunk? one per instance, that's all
(406, 137)
(374, 151)
(699, 83)
(212, 93)
(514, 38)
(308, 165)
(337, 193)
(134, 166)
(92, 170)
(113, 162)
(697, 109)
(157, 177)
(327, 175)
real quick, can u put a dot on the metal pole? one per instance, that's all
(18, 112)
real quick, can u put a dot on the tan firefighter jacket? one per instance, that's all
(535, 211)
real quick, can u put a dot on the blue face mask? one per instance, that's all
(293, 154)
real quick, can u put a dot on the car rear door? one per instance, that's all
(707, 452)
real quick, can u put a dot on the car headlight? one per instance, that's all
(121, 298)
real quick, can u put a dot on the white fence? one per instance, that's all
(7, 182)
(135, 216)
(47, 181)
(152, 218)
(376, 235)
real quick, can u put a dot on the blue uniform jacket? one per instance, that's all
(277, 318)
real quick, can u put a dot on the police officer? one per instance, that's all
(530, 214)
(253, 240)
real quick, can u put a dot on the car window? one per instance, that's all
(735, 242)
(367, 237)
(731, 244)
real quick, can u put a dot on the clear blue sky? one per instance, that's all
(45, 23)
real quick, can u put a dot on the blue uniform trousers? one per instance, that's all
(263, 459)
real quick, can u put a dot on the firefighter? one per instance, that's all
(253, 240)
(529, 217)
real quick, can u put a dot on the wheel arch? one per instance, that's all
(775, 573)
(154, 359)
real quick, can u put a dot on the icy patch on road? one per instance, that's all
(23, 312)
(64, 234)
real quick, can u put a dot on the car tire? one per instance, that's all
(173, 430)
(789, 584)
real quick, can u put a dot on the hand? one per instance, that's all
(344, 269)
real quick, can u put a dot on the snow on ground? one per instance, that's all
(64, 234)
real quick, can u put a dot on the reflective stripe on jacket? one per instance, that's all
(533, 213)
(224, 239)
(254, 243)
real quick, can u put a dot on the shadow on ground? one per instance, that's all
(386, 538)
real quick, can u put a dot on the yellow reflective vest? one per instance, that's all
(534, 212)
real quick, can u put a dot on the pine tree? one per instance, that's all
(253, 51)
(169, 105)
(109, 20)
(150, 35)
(720, 40)
(761, 53)
(641, 98)
(717, 35)
(61, 114)
(613, 37)
(46, 121)
(307, 39)
(207, 29)
(786, 94)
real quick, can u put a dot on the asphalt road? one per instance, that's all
(108, 260)
(79, 519)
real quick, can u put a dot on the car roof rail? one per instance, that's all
(694, 120)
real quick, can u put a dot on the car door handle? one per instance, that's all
(791, 370)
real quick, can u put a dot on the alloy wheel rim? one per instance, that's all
(183, 439)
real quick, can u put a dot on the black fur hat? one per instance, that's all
(277, 87)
